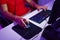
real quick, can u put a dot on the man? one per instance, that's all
(15, 9)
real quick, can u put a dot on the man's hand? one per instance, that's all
(22, 22)
(42, 7)
(33, 4)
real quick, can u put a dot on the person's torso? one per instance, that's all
(17, 6)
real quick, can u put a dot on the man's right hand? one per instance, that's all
(20, 21)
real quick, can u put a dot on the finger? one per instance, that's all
(24, 23)
(21, 23)
(39, 9)
(25, 20)
(45, 9)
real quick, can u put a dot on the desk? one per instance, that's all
(8, 34)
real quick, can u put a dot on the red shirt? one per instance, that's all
(17, 6)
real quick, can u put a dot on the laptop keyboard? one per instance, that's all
(41, 16)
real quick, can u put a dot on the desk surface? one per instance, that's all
(8, 34)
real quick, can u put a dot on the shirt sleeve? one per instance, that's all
(3, 2)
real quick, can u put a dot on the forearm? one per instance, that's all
(8, 15)
(32, 3)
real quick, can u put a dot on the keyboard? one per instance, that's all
(27, 33)
(41, 16)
